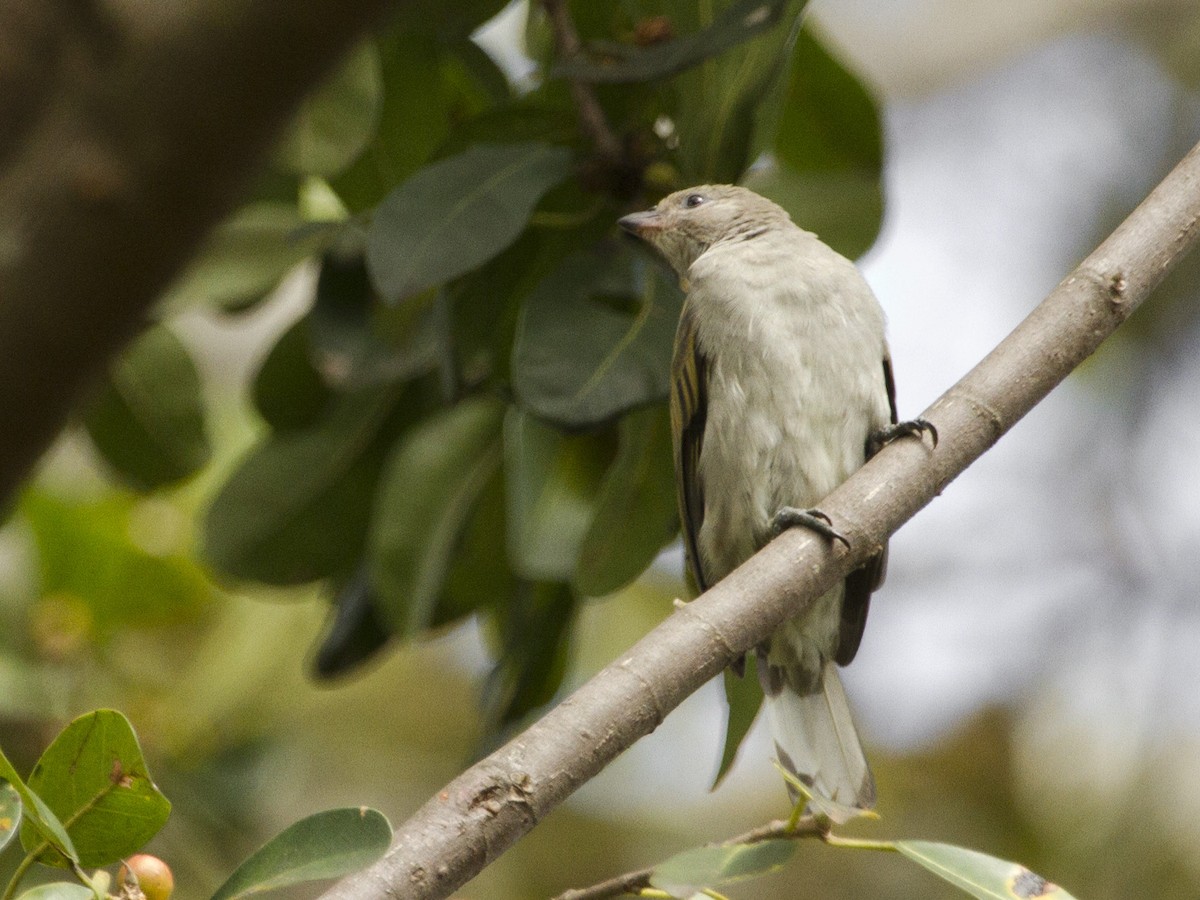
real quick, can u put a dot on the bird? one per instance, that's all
(781, 388)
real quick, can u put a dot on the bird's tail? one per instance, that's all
(816, 741)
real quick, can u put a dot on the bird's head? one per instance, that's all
(686, 223)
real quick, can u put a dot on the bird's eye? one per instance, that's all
(691, 201)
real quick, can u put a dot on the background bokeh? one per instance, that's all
(1028, 685)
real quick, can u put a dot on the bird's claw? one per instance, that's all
(910, 428)
(812, 519)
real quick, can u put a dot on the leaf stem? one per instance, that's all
(23, 867)
(857, 843)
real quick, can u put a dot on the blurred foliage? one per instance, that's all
(474, 268)
(464, 424)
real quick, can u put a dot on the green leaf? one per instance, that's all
(335, 122)
(457, 213)
(743, 699)
(430, 485)
(297, 507)
(479, 573)
(38, 817)
(520, 120)
(355, 632)
(551, 484)
(845, 209)
(10, 812)
(358, 342)
(721, 101)
(636, 512)
(289, 393)
(980, 875)
(244, 258)
(609, 62)
(94, 778)
(828, 152)
(413, 121)
(58, 890)
(595, 338)
(692, 871)
(148, 421)
(324, 845)
(486, 303)
(126, 563)
(535, 625)
(449, 22)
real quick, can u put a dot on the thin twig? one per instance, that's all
(632, 882)
(592, 120)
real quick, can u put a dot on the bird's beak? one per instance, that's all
(641, 224)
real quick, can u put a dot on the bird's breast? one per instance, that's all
(791, 401)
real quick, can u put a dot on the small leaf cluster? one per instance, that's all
(470, 417)
(90, 802)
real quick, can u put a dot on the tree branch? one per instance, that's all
(127, 129)
(592, 120)
(632, 882)
(487, 808)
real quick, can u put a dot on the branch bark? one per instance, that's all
(592, 120)
(486, 809)
(127, 129)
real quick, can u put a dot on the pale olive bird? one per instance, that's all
(781, 387)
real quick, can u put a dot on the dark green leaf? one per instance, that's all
(551, 483)
(449, 22)
(93, 776)
(743, 699)
(244, 258)
(481, 71)
(980, 875)
(355, 632)
(535, 627)
(297, 507)
(611, 62)
(10, 812)
(148, 421)
(485, 303)
(595, 338)
(479, 575)
(457, 213)
(289, 392)
(828, 152)
(413, 121)
(125, 563)
(829, 121)
(721, 101)
(636, 513)
(844, 209)
(325, 845)
(334, 124)
(430, 485)
(690, 872)
(359, 342)
(58, 890)
(38, 817)
(519, 120)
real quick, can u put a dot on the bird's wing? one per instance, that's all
(689, 410)
(862, 582)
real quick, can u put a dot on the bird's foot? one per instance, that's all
(912, 428)
(812, 519)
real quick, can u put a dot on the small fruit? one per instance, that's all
(153, 876)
